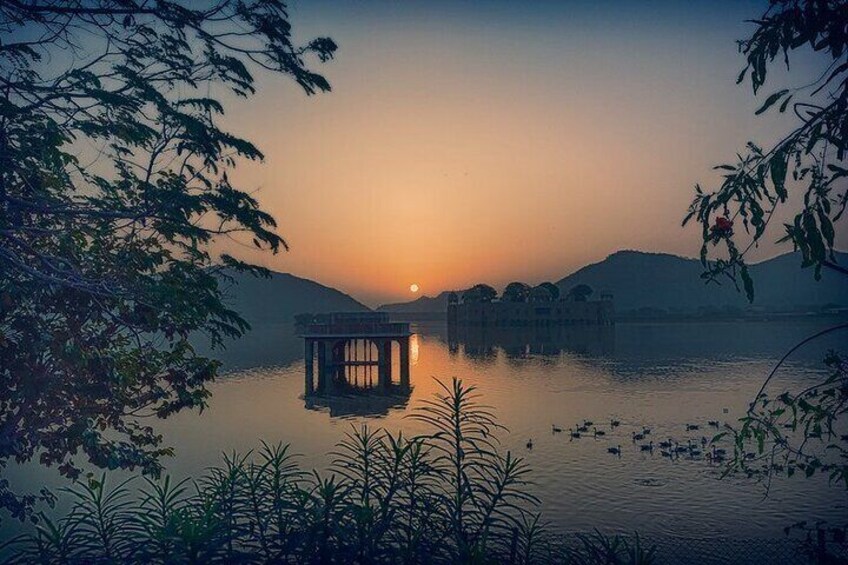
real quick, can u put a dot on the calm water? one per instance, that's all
(657, 375)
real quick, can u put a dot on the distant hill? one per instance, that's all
(640, 280)
(281, 297)
(669, 283)
(422, 305)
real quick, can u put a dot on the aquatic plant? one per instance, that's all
(447, 496)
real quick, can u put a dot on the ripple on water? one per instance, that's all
(650, 482)
(649, 378)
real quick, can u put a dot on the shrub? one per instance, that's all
(445, 497)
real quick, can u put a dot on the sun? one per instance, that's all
(413, 288)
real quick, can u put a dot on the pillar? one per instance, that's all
(322, 366)
(330, 366)
(384, 363)
(338, 359)
(404, 362)
(308, 356)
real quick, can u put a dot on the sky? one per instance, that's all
(469, 142)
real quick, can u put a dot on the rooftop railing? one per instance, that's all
(355, 328)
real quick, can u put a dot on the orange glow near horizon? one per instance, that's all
(493, 153)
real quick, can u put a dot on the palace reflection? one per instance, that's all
(481, 343)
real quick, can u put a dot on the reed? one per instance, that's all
(449, 496)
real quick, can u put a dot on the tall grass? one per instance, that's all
(450, 496)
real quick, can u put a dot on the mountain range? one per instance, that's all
(641, 281)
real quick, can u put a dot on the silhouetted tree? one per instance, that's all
(516, 292)
(580, 293)
(480, 293)
(113, 184)
(811, 159)
(553, 289)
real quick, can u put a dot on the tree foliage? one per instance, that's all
(792, 432)
(796, 432)
(811, 158)
(113, 184)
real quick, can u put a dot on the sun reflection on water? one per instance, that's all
(413, 349)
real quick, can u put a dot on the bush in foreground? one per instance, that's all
(448, 496)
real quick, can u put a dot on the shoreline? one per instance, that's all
(627, 318)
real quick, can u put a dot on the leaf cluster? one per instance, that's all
(114, 187)
(811, 158)
(796, 433)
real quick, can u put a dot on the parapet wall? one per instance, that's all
(519, 314)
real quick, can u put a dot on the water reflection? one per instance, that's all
(631, 348)
(357, 390)
(658, 375)
(481, 343)
(413, 349)
(373, 402)
(265, 345)
(358, 376)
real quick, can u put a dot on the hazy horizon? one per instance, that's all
(466, 142)
(555, 279)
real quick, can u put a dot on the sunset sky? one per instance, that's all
(494, 141)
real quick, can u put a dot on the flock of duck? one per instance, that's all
(643, 439)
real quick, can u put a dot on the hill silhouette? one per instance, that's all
(282, 296)
(422, 305)
(662, 282)
(640, 280)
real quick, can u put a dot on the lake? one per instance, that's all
(659, 375)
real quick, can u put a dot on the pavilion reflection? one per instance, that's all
(357, 391)
(362, 361)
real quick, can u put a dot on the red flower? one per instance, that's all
(723, 225)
